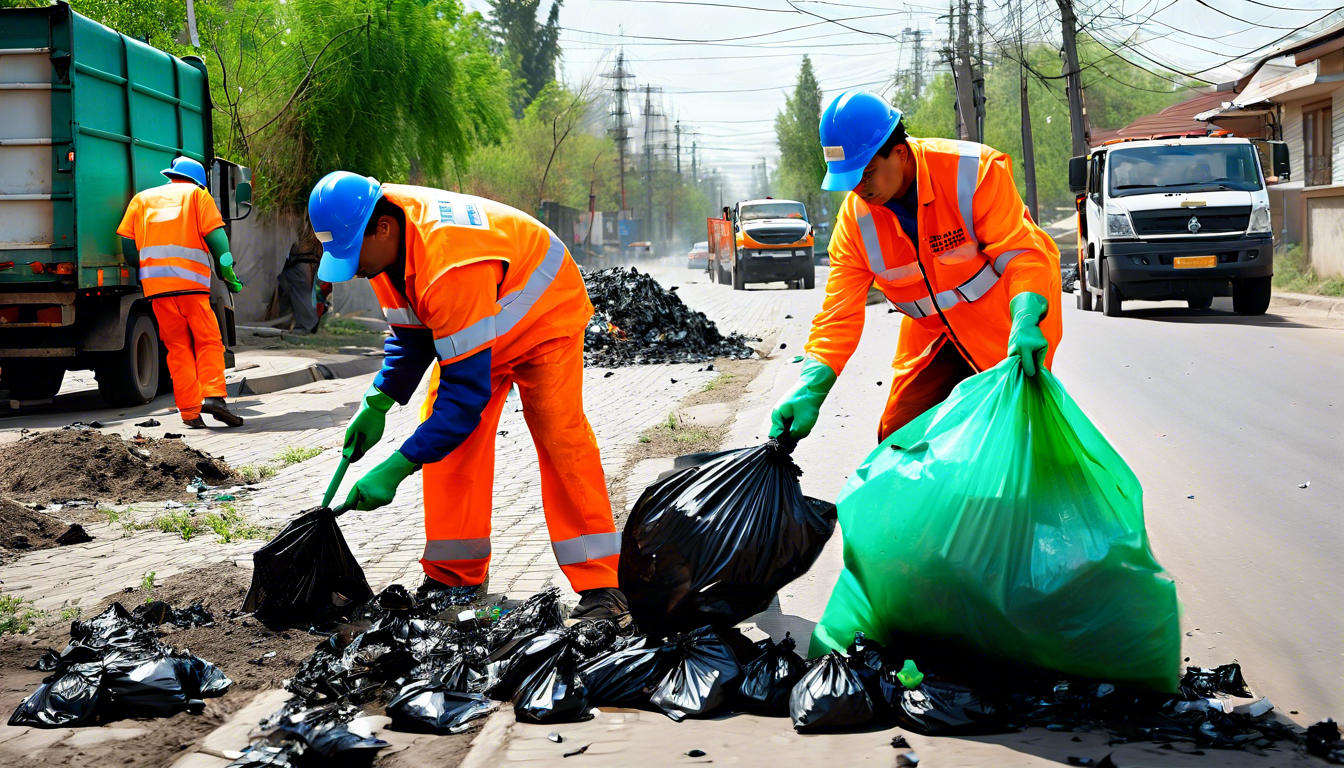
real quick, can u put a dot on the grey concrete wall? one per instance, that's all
(260, 244)
(1325, 231)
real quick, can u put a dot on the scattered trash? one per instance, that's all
(879, 383)
(1322, 740)
(907, 760)
(797, 359)
(172, 436)
(713, 543)
(149, 423)
(225, 497)
(306, 573)
(636, 322)
(429, 706)
(782, 345)
(82, 425)
(503, 433)
(1068, 273)
(198, 486)
(768, 680)
(1189, 497)
(555, 737)
(116, 667)
(899, 742)
(1304, 485)
(157, 612)
(701, 679)
(696, 753)
(788, 317)
(674, 381)
(1076, 587)
(829, 697)
(608, 374)
(578, 751)
(941, 709)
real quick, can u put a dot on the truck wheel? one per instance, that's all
(1251, 295)
(739, 284)
(1200, 303)
(131, 377)
(31, 379)
(1110, 293)
(810, 280)
(1084, 293)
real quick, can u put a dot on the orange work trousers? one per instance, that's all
(917, 391)
(573, 487)
(190, 331)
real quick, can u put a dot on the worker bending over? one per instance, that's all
(173, 234)
(494, 298)
(938, 226)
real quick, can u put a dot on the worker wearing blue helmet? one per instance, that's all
(938, 227)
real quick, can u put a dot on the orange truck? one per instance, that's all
(762, 241)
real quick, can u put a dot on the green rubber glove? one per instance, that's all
(1025, 338)
(366, 429)
(230, 278)
(379, 486)
(802, 405)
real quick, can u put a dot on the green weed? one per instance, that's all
(671, 422)
(1293, 273)
(719, 381)
(177, 521)
(343, 327)
(294, 454)
(255, 473)
(147, 581)
(230, 525)
(691, 435)
(15, 618)
(644, 439)
(70, 610)
(112, 515)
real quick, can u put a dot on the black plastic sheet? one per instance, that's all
(116, 667)
(829, 697)
(944, 709)
(554, 692)
(433, 706)
(768, 680)
(636, 321)
(538, 613)
(713, 543)
(628, 675)
(306, 574)
(704, 674)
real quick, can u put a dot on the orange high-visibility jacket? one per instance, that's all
(542, 294)
(169, 224)
(978, 249)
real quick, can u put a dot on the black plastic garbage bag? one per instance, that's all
(164, 686)
(713, 543)
(768, 680)
(628, 674)
(866, 658)
(587, 639)
(555, 692)
(66, 700)
(944, 709)
(308, 745)
(429, 706)
(829, 697)
(306, 574)
(704, 674)
(1226, 680)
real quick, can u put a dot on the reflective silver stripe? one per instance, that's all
(467, 339)
(968, 175)
(1001, 263)
(151, 252)
(925, 306)
(457, 549)
(583, 549)
(868, 231)
(979, 285)
(181, 272)
(910, 308)
(402, 316)
(900, 273)
(946, 299)
(514, 306)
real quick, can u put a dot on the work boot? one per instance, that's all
(196, 423)
(215, 406)
(602, 603)
(446, 595)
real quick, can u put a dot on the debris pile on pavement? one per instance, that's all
(715, 541)
(65, 464)
(116, 667)
(637, 322)
(1068, 275)
(23, 529)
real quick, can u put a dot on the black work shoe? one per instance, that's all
(215, 406)
(602, 603)
(196, 423)
(440, 593)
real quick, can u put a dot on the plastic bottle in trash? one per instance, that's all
(910, 676)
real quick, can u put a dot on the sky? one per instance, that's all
(725, 66)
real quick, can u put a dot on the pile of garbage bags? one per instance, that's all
(714, 541)
(116, 667)
(638, 322)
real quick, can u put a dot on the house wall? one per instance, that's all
(1325, 231)
(1292, 136)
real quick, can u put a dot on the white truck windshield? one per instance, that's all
(758, 211)
(1183, 168)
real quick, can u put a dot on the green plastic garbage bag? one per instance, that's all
(1003, 522)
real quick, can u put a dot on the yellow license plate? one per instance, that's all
(1194, 262)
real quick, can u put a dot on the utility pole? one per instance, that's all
(963, 73)
(648, 116)
(979, 70)
(765, 178)
(695, 176)
(917, 35)
(1073, 78)
(1028, 147)
(621, 114)
(678, 149)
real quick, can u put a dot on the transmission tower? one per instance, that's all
(620, 113)
(648, 115)
(916, 38)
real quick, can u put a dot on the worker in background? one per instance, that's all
(490, 298)
(174, 234)
(937, 225)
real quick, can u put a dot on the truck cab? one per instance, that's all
(772, 241)
(1175, 219)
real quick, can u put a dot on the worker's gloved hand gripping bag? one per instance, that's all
(1003, 522)
(713, 542)
(306, 574)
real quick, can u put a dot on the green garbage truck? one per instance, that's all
(88, 117)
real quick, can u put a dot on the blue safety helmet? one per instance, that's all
(853, 128)
(340, 207)
(186, 169)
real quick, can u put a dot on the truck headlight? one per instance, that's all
(1117, 225)
(1259, 220)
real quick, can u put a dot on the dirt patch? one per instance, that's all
(235, 645)
(67, 464)
(23, 530)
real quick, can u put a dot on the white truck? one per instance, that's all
(1176, 219)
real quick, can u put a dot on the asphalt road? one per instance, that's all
(1236, 412)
